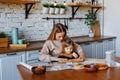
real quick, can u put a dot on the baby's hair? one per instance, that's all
(69, 42)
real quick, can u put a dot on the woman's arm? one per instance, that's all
(79, 50)
(45, 54)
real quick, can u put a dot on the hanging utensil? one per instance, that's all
(59, 20)
(53, 22)
(65, 23)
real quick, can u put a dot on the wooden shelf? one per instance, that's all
(83, 5)
(78, 5)
(28, 4)
(20, 1)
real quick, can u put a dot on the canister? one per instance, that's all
(110, 58)
(14, 35)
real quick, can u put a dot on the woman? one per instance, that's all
(53, 46)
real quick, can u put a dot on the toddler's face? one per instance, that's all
(68, 49)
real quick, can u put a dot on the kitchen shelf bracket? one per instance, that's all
(74, 11)
(95, 10)
(28, 7)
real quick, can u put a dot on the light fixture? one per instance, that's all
(64, 3)
(55, 3)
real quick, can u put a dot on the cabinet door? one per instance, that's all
(93, 48)
(99, 49)
(110, 44)
(87, 47)
(8, 68)
(32, 56)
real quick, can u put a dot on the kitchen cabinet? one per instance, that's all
(99, 52)
(97, 49)
(32, 56)
(87, 48)
(8, 69)
(110, 44)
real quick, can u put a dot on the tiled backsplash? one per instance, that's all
(36, 28)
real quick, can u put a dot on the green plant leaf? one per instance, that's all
(90, 18)
(2, 35)
(62, 6)
(46, 5)
(52, 5)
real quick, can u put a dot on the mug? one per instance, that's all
(20, 41)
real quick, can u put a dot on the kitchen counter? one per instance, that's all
(37, 45)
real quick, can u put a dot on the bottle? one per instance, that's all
(91, 33)
(14, 35)
(110, 56)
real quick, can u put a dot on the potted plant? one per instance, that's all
(46, 8)
(3, 40)
(57, 9)
(2, 35)
(62, 9)
(51, 11)
(90, 18)
(93, 23)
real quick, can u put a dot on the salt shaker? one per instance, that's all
(110, 56)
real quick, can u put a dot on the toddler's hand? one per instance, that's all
(75, 55)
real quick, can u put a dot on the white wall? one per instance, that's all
(112, 21)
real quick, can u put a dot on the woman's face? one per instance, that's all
(60, 36)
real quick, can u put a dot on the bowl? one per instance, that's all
(102, 66)
(90, 68)
(39, 69)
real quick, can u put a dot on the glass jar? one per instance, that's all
(110, 58)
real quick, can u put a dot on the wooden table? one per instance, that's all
(109, 74)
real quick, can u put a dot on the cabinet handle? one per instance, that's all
(110, 39)
(87, 43)
(11, 54)
(100, 41)
(38, 60)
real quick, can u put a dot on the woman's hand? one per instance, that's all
(61, 60)
(82, 56)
